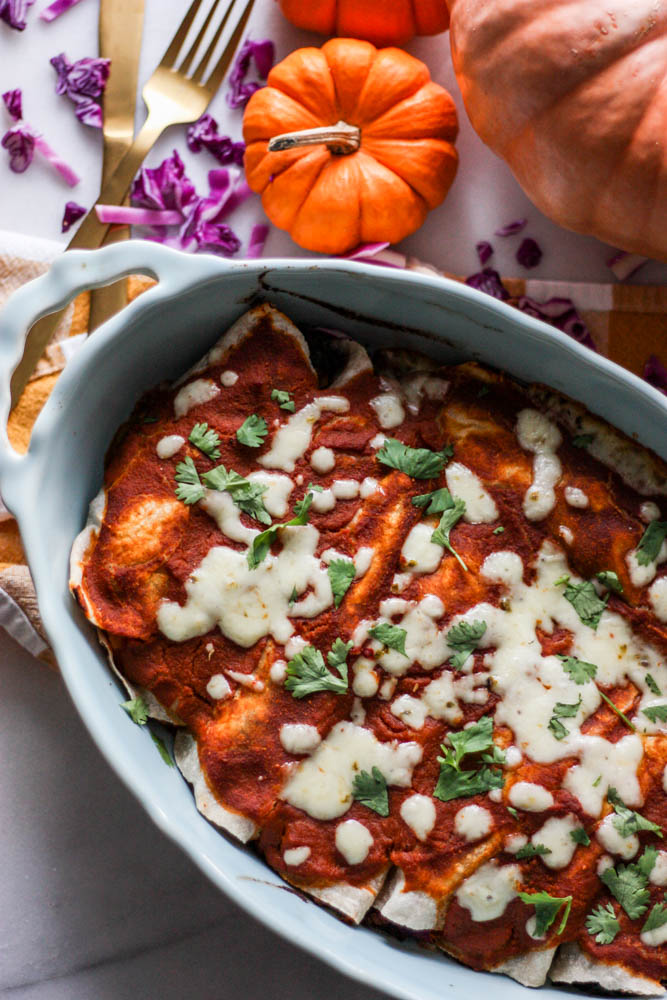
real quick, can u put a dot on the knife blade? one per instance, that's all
(120, 31)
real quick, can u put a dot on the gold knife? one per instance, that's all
(120, 30)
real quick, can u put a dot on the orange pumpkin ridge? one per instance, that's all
(350, 144)
(383, 22)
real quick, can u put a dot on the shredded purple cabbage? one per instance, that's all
(164, 187)
(561, 313)
(73, 212)
(655, 373)
(203, 134)
(23, 140)
(14, 104)
(512, 228)
(20, 144)
(259, 53)
(488, 281)
(258, 235)
(57, 8)
(83, 82)
(484, 251)
(529, 253)
(13, 12)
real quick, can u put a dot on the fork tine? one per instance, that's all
(199, 71)
(192, 51)
(169, 58)
(218, 72)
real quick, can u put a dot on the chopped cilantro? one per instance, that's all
(656, 918)
(149, 420)
(137, 709)
(454, 783)
(650, 543)
(164, 753)
(451, 516)
(371, 791)
(562, 580)
(262, 543)
(610, 580)
(627, 884)
(252, 431)
(579, 836)
(602, 923)
(247, 496)
(435, 502)
(531, 851)
(656, 713)
(390, 635)
(206, 439)
(585, 601)
(652, 684)
(626, 820)
(647, 860)
(622, 716)
(190, 489)
(583, 440)
(341, 574)
(562, 710)
(597, 781)
(420, 463)
(284, 399)
(512, 811)
(293, 597)
(547, 909)
(308, 674)
(301, 509)
(579, 670)
(464, 638)
(499, 530)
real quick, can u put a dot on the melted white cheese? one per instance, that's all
(658, 874)
(473, 822)
(655, 937)
(246, 680)
(649, 511)
(194, 394)
(530, 797)
(218, 687)
(465, 485)
(229, 378)
(291, 441)
(278, 671)
(368, 487)
(419, 554)
(295, 856)
(366, 681)
(322, 785)
(613, 841)
(298, 737)
(657, 595)
(424, 642)
(278, 489)
(168, 446)
(418, 812)
(389, 409)
(487, 892)
(538, 434)
(575, 497)
(555, 834)
(322, 460)
(353, 841)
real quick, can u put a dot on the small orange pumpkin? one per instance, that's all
(383, 22)
(368, 145)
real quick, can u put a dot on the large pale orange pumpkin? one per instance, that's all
(385, 159)
(383, 22)
(573, 95)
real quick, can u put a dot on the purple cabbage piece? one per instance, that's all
(13, 12)
(488, 281)
(164, 187)
(83, 82)
(14, 103)
(216, 237)
(529, 253)
(203, 134)
(73, 212)
(259, 53)
(484, 251)
(512, 228)
(57, 8)
(258, 235)
(655, 373)
(20, 144)
(561, 313)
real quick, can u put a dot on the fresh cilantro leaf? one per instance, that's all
(656, 713)
(579, 836)
(652, 684)
(626, 820)
(308, 674)
(453, 783)
(610, 580)
(451, 516)
(546, 910)
(650, 543)
(420, 463)
(315, 489)
(499, 530)
(562, 711)
(293, 597)
(622, 716)
(647, 860)
(627, 884)
(247, 496)
(390, 635)
(512, 811)
(190, 489)
(206, 439)
(583, 440)
(341, 574)
(435, 502)
(262, 543)
(284, 399)
(464, 638)
(302, 509)
(597, 781)
(371, 791)
(557, 728)
(585, 601)
(149, 420)
(477, 738)
(252, 431)
(531, 851)
(137, 709)
(579, 670)
(164, 753)
(656, 918)
(562, 580)
(602, 923)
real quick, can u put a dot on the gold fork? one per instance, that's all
(173, 95)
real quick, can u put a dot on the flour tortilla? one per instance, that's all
(530, 969)
(351, 901)
(415, 911)
(573, 966)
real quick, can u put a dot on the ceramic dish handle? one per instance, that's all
(70, 274)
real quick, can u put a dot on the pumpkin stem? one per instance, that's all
(341, 139)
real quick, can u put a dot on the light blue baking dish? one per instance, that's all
(158, 337)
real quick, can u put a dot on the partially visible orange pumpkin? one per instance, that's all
(383, 22)
(387, 157)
